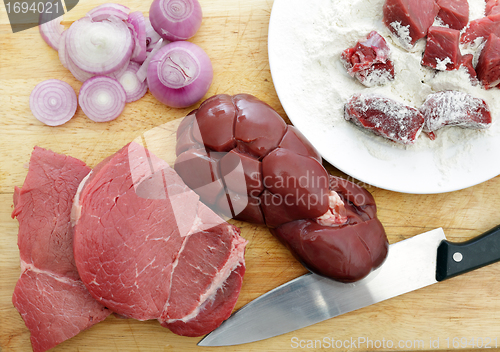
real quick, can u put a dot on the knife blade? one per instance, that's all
(411, 264)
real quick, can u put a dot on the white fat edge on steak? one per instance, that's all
(64, 279)
(76, 209)
(235, 259)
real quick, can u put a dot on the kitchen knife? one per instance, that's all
(410, 264)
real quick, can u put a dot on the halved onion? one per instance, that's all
(53, 102)
(134, 89)
(102, 98)
(176, 19)
(99, 47)
(180, 74)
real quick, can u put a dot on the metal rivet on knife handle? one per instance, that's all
(457, 256)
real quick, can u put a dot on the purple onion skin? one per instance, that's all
(174, 29)
(189, 94)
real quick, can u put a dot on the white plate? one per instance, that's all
(305, 39)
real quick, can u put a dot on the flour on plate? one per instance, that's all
(327, 27)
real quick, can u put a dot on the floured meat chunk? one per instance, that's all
(409, 20)
(442, 51)
(369, 61)
(385, 117)
(453, 13)
(467, 62)
(488, 64)
(454, 108)
(481, 28)
(492, 7)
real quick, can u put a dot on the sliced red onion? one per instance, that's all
(62, 50)
(143, 70)
(51, 31)
(119, 71)
(53, 102)
(136, 20)
(105, 11)
(82, 75)
(102, 98)
(135, 90)
(176, 19)
(76, 71)
(99, 47)
(151, 36)
(180, 74)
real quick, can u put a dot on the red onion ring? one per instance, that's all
(51, 31)
(105, 11)
(176, 19)
(62, 50)
(76, 71)
(99, 47)
(53, 102)
(102, 98)
(136, 20)
(180, 74)
(151, 36)
(134, 89)
(143, 70)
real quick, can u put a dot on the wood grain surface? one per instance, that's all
(234, 35)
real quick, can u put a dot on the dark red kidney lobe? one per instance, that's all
(295, 141)
(215, 118)
(199, 170)
(252, 133)
(345, 253)
(300, 181)
(259, 129)
(251, 167)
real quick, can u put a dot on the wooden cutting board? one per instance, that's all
(460, 313)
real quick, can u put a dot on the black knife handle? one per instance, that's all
(457, 258)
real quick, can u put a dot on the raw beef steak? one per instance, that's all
(454, 13)
(385, 117)
(488, 64)
(369, 61)
(454, 108)
(409, 20)
(147, 248)
(49, 295)
(442, 51)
